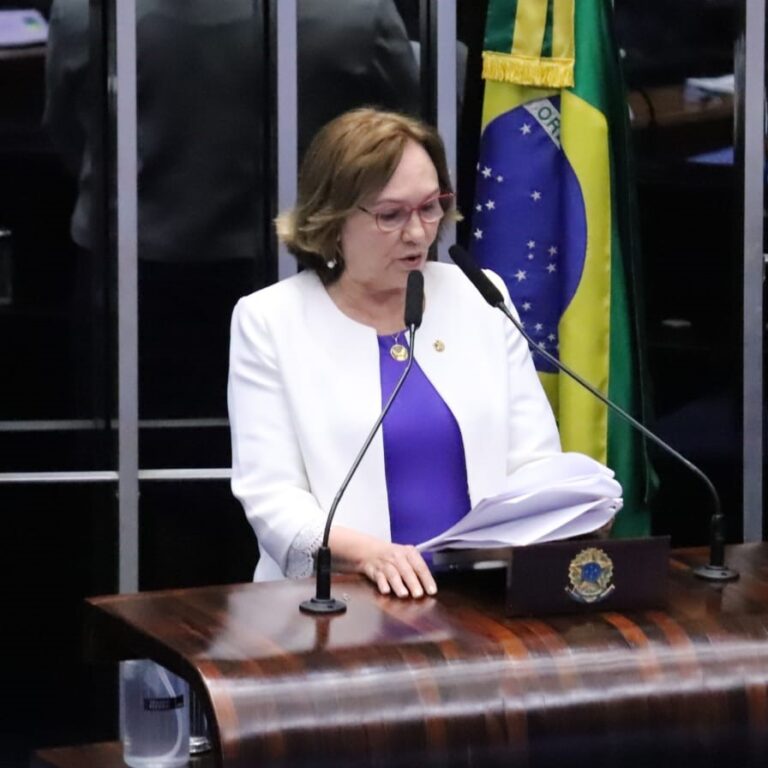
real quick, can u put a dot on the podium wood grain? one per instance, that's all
(450, 680)
(105, 754)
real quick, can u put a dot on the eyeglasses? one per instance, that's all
(394, 217)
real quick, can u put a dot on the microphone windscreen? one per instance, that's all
(414, 299)
(476, 276)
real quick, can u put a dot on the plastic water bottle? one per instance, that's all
(154, 716)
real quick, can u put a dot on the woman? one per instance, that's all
(314, 357)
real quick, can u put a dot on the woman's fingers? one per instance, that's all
(381, 581)
(402, 572)
(408, 577)
(422, 570)
(396, 579)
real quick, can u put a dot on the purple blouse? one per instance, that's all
(424, 461)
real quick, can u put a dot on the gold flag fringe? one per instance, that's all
(523, 70)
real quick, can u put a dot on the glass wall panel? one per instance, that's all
(57, 384)
(193, 533)
(354, 54)
(55, 387)
(678, 60)
(202, 190)
(470, 30)
(203, 213)
(59, 546)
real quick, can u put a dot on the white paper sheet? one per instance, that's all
(20, 28)
(724, 84)
(566, 495)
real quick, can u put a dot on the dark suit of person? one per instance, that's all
(201, 172)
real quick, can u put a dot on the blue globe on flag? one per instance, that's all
(529, 223)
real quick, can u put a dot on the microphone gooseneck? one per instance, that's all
(322, 602)
(716, 569)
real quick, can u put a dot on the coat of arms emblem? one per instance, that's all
(590, 573)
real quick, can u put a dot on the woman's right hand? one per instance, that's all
(394, 568)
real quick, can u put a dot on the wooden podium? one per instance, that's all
(452, 681)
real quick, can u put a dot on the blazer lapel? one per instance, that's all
(349, 352)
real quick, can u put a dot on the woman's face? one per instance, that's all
(380, 261)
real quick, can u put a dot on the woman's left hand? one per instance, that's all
(393, 568)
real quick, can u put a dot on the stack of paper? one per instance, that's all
(565, 495)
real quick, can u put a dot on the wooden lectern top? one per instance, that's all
(451, 680)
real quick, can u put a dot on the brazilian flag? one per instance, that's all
(554, 217)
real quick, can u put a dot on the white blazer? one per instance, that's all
(304, 391)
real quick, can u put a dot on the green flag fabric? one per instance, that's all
(554, 217)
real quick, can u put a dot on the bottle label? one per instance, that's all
(163, 704)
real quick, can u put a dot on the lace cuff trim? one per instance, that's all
(301, 554)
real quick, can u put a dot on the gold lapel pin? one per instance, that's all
(439, 345)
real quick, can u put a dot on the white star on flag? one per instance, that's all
(520, 275)
(490, 205)
(551, 337)
(536, 195)
(499, 179)
(525, 129)
(478, 207)
(551, 268)
(531, 243)
(526, 306)
(538, 326)
(487, 172)
(553, 250)
(542, 345)
(530, 257)
(478, 233)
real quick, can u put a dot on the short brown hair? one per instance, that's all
(350, 158)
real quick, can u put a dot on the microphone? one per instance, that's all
(414, 301)
(716, 569)
(322, 602)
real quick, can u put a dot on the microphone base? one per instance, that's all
(320, 605)
(711, 572)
